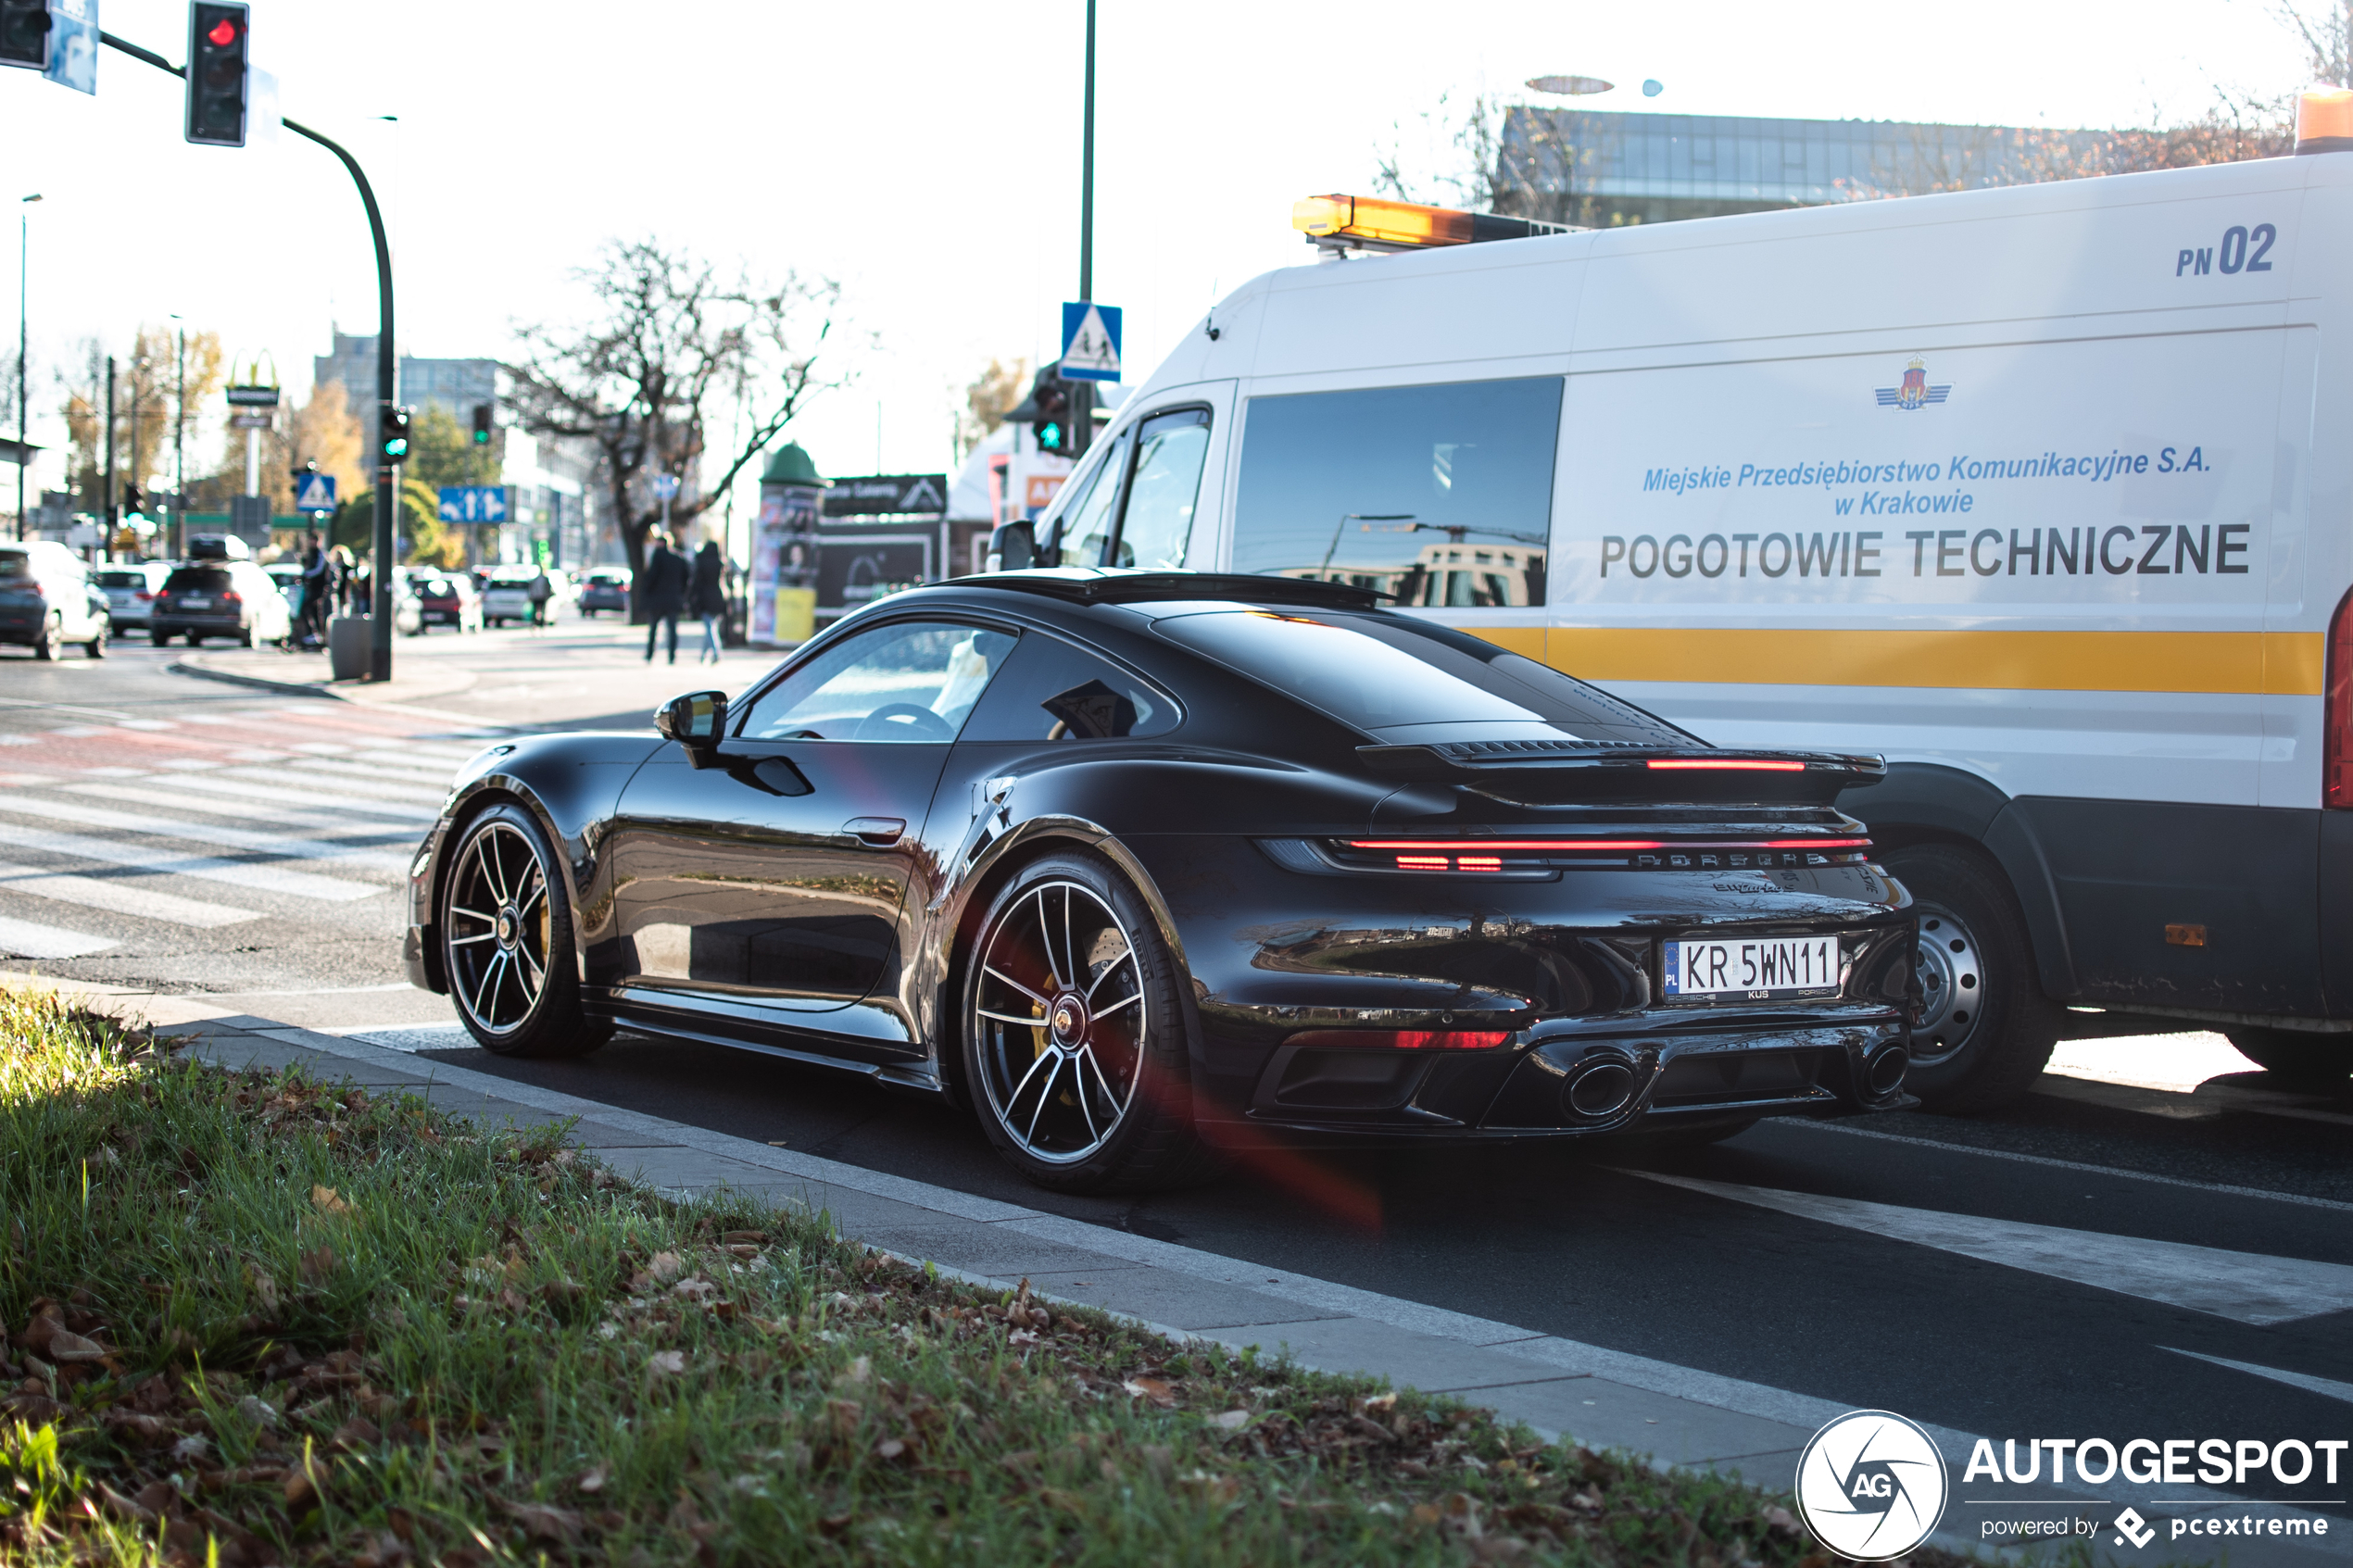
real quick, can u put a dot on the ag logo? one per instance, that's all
(1871, 1485)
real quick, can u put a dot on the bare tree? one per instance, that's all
(668, 335)
(1462, 150)
(2327, 37)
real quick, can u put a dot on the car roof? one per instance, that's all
(1088, 584)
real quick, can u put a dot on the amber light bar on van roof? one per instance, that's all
(1375, 225)
(2324, 120)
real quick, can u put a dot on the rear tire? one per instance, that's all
(97, 646)
(1097, 1094)
(2319, 1062)
(51, 646)
(1986, 1027)
(506, 941)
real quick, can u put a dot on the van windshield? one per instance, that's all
(1388, 675)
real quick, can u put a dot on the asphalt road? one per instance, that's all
(2075, 1266)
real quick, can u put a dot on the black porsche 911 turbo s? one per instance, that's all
(1142, 867)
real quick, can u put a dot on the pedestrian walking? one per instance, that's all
(665, 584)
(539, 593)
(710, 597)
(346, 582)
(318, 584)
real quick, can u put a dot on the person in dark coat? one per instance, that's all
(710, 597)
(666, 583)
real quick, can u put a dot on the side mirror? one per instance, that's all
(1013, 548)
(695, 721)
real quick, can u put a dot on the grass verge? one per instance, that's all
(258, 1319)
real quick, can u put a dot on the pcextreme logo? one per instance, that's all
(1871, 1485)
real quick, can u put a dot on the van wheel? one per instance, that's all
(1986, 1028)
(52, 644)
(97, 646)
(2294, 1057)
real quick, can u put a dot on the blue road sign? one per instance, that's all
(315, 493)
(1090, 342)
(474, 503)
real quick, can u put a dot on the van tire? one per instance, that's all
(2294, 1057)
(1986, 1027)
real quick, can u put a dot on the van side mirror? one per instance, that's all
(695, 721)
(1014, 547)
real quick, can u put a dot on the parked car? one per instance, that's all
(605, 587)
(1242, 855)
(131, 591)
(218, 547)
(287, 575)
(47, 600)
(507, 596)
(231, 598)
(447, 599)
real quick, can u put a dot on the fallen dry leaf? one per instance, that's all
(357, 1433)
(546, 1521)
(855, 1372)
(318, 1262)
(593, 1479)
(1156, 1390)
(68, 1347)
(325, 1200)
(670, 1362)
(1230, 1421)
(666, 1265)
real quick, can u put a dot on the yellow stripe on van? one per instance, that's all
(2279, 663)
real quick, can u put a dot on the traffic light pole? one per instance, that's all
(380, 619)
(1082, 392)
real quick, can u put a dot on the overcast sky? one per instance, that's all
(925, 155)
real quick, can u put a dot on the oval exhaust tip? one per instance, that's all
(1885, 1074)
(1602, 1090)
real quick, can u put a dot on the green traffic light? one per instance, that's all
(396, 448)
(1050, 437)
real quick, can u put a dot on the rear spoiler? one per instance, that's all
(1588, 769)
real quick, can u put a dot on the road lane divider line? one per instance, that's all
(121, 899)
(312, 824)
(2247, 1286)
(2328, 1388)
(237, 873)
(30, 939)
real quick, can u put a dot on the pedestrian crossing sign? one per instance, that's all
(315, 493)
(1090, 342)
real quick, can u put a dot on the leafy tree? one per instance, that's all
(442, 452)
(147, 382)
(995, 390)
(638, 378)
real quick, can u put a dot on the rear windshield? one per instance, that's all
(122, 580)
(199, 579)
(14, 564)
(1381, 674)
(511, 579)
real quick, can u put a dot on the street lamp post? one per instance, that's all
(175, 543)
(24, 453)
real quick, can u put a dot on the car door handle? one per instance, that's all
(879, 832)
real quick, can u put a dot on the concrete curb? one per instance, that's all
(186, 665)
(1678, 1417)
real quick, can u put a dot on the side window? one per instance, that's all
(1158, 521)
(1438, 494)
(1052, 691)
(1086, 524)
(911, 681)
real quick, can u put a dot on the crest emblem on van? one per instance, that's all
(1913, 392)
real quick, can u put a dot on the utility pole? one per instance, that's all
(176, 543)
(24, 454)
(105, 504)
(1082, 393)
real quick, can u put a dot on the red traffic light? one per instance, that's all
(223, 33)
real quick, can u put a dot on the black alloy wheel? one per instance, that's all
(1986, 1029)
(1074, 1040)
(507, 942)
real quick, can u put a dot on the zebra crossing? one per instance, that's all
(119, 836)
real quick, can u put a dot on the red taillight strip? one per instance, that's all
(2337, 720)
(1752, 767)
(1457, 845)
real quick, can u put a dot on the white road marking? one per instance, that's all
(323, 748)
(120, 898)
(268, 786)
(382, 862)
(2304, 1380)
(314, 824)
(240, 874)
(365, 777)
(2245, 1285)
(147, 724)
(28, 939)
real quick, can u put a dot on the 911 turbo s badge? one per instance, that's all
(1914, 390)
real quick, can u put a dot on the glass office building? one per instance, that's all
(1598, 168)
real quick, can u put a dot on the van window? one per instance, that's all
(1086, 522)
(1439, 495)
(1158, 523)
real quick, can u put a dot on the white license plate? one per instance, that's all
(196, 604)
(1754, 969)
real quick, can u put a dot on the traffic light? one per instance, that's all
(130, 498)
(217, 70)
(481, 424)
(24, 33)
(396, 435)
(1047, 412)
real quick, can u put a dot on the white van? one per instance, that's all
(2041, 492)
